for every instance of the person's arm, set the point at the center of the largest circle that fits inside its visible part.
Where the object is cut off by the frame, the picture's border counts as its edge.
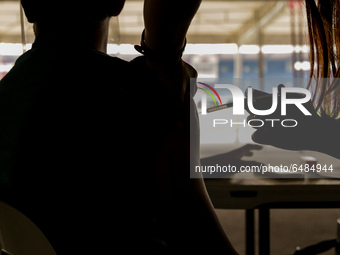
(167, 22)
(163, 41)
(311, 132)
(192, 221)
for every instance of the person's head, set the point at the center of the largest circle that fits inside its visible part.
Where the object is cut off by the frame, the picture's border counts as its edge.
(71, 17)
(64, 11)
(324, 35)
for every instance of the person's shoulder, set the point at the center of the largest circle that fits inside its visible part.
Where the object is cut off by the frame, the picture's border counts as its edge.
(107, 59)
(138, 64)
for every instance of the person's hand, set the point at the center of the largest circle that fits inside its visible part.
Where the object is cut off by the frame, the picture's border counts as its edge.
(234, 155)
(244, 151)
(280, 131)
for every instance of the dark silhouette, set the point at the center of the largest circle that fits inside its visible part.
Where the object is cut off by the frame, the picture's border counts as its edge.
(96, 150)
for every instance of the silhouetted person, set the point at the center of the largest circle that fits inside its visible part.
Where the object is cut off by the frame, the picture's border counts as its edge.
(83, 145)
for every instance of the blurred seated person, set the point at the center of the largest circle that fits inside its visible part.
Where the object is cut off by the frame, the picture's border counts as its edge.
(318, 131)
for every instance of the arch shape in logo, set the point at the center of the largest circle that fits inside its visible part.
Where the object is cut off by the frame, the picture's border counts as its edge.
(205, 87)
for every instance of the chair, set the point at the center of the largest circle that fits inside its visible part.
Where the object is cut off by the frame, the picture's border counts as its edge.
(19, 235)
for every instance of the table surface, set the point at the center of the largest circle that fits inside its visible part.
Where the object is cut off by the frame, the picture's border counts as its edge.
(249, 191)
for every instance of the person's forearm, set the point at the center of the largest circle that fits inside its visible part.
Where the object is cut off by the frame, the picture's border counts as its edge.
(326, 137)
(330, 148)
(167, 22)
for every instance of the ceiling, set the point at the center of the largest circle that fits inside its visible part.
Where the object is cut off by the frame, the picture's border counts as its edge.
(217, 21)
